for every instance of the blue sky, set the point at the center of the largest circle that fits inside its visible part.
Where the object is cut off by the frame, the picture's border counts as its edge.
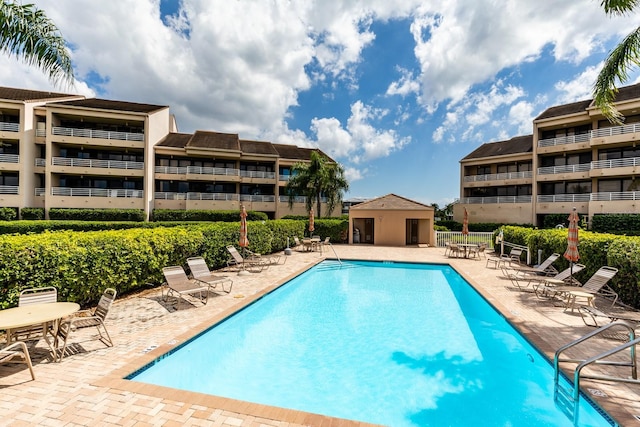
(396, 91)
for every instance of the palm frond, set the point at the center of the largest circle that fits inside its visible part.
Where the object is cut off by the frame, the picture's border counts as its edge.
(29, 34)
(618, 7)
(616, 70)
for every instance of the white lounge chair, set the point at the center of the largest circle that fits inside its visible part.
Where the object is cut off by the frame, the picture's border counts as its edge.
(200, 271)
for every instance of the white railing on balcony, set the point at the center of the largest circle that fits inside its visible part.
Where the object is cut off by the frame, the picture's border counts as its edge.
(9, 158)
(40, 191)
(296, 199)
(213, 171)
(258, 174)
(615, 196)
(41, 132)
(9, 127)
(96, 192)
(171, 170)
(9, 189)
(95, 163)
(615, 130)
(498, 176)
(257, 198)
(96, 133)
(167, 195)
(547, 170)
(41, 162)
(284, 177)
(495, 199)
(225, 197)
(543, 198)
(615, 163)
(571, 139)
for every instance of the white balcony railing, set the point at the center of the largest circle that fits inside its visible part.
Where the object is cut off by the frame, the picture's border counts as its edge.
(96, 133)
(571, 139)
(167, 195)
(284, 177)
(584, 197)
(40, 191)
(95, 163)
(296, 199)
(96, 192)
(615, 196)
(41, 162)
(258, 174)
(494, 199)
(171, 170)
(41, 132)
(498, 176)
(616, 163)
(257, 198)
(615, 130)
(9, 127)
(213, 171)
(224, 197)
(9, 189)
(548, 170)
(9, 158)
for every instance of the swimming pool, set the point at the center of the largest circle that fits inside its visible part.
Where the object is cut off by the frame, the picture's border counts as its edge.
(397, 344)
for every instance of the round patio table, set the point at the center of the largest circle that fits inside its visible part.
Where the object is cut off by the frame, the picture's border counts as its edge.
(35, 314)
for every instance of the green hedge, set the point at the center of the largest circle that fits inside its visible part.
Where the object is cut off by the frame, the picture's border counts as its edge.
(204, 215)
(97, 214)
(616, 223)
(451, 225)
(8, 214)
(32, 213)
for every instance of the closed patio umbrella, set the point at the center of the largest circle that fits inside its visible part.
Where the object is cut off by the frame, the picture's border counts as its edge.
(465, 225)
(244, 241)
(311, 222)
(571, 254)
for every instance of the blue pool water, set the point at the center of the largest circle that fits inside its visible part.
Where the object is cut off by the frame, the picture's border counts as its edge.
(388, 343)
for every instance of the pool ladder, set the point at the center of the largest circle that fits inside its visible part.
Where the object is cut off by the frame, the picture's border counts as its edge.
(568, 398)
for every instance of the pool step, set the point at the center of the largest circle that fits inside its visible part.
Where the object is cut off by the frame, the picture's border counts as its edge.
(334, 265)
(564, 400)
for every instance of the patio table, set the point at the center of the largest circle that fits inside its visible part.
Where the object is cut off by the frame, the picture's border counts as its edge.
(35, 314)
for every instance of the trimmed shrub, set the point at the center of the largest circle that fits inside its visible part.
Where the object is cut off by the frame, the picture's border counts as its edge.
(8, 214)
(97, 214)
(32, 213)
(204, 215)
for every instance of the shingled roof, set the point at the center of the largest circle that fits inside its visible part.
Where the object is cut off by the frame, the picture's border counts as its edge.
(565, 109)
(214, 141)
(391, 202)
(515, 145)
(294, 152)
(29, 95)
(176, 140)
(107, 104)
(258, 147)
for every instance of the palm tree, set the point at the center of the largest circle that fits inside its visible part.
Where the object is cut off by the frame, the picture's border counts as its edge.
(618, 63)
(27, 33)
(315, 179)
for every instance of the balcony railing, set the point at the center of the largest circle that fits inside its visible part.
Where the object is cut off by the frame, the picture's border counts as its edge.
(9, 127)
(616, 163)
(9, 158)
(224, 197)
(571, 139)
(181, 170)
(95, 163)
(498, 176)
(284, 177)
(96, 192)
(547, 170)
(40, 191)
(615, 196)
(258, 174)
(257, 198)
(41, 132)
(495, 199)
(296, 199)
(167, 195)
(41, 162)
(9, 189)
(584, 197)
(615, 130)
(96, 133)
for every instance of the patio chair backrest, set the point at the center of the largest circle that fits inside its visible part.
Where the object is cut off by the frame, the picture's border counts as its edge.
(515, 254)
(235, 254)
(44, 295)
(199, 267)
(567, 272)
(296, 240)
(174, 275)
(547, 262)
(599, 279)
(106, 300)
(326, 240)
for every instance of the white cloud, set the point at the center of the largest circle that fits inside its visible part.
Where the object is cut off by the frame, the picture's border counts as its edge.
(353, 174)
(580, 88)
(521, 115)
(406, 85)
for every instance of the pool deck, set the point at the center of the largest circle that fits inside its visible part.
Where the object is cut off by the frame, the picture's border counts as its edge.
(87, 388)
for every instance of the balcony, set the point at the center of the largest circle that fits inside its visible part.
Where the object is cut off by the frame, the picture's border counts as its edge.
(615, 130)
(616, 163)
(615, 196)
(296, 199)
(41, 132)
(97, 192)
(584, 197)
(571, 139)
(9, 158)
(41, 162)
(166, 195)
(40, 191)
(498, 176)
(96, 133)
(197, 170)
(564, 169)
(95, 163)
(9, 127)
(258, 174)
(9, 189)
(494, 200)
(257, 198)
(284, 177)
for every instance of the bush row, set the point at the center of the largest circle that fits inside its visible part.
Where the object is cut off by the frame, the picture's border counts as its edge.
(450, 225)
(616, 223)
(596, 250)
(204, 215)
(8, 214)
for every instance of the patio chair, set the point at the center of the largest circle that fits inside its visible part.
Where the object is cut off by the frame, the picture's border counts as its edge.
(200, 271)
(297, 242)
(18, 350)
(241, 262)
(43, 295)
(514, 256)
(86, 319)
(455, 250)
(497, 261)
(596, 285)
(178, 284)
(548, 285)
(544, 269)
(267, 260)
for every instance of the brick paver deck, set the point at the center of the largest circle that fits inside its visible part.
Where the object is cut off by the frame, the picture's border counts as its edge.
(87, 388)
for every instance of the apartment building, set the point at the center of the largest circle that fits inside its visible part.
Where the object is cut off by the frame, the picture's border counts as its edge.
(67, 151)
(574, 158)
